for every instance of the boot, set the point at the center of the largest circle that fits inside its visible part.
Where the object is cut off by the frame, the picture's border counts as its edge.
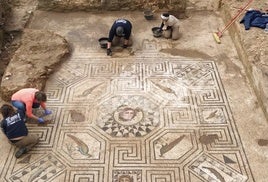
(20, 152)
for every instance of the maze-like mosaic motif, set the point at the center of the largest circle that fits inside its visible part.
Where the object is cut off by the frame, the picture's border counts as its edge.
(146, 118)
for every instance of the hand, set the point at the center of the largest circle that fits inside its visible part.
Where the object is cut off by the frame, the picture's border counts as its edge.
(41, 120)
(159, 30)
(48, 112)
(124, 46)
(109, 52)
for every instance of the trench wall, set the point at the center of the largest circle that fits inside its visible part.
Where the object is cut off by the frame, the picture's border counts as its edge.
(116, 5)
(255, 65)
(4, 9)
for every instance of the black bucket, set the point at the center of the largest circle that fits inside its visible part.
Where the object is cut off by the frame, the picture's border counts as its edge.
(148, 14)
(103, 42)
(157, 32)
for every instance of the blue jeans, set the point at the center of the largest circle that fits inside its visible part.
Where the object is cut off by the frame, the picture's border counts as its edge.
(21, 106)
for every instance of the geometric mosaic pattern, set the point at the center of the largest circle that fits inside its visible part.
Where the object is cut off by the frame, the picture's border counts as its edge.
(42, 170)
(145, 118)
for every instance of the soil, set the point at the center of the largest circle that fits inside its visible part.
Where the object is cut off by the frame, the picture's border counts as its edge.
(6, 54)
(5, 57)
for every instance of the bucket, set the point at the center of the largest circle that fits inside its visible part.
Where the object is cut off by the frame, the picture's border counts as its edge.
(103, 42)
(157, 32)
(148, 14)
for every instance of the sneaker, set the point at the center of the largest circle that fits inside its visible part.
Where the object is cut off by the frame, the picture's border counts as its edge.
(20, 152)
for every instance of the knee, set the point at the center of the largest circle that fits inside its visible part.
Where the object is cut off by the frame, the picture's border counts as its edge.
(36, 139)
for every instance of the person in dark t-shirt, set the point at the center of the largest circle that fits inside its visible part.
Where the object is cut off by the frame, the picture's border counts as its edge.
(13, 126)
(121, 29)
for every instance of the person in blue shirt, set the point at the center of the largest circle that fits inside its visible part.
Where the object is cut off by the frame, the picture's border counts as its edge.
(13, 126)
(120, 30)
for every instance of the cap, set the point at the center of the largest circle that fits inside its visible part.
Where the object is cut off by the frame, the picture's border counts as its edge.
(165, 16)
(120, 31)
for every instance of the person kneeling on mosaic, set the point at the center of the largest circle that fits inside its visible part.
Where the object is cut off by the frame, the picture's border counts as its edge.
(170, 26)
(28, 98)
(13, 126)
(120, 32)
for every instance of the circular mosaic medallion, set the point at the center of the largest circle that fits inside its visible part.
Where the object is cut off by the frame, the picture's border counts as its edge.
(134, 116)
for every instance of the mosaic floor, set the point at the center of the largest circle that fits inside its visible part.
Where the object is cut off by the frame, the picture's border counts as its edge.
(148, 117)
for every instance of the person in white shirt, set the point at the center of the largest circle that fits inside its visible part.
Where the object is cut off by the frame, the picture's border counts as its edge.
(170, 26)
